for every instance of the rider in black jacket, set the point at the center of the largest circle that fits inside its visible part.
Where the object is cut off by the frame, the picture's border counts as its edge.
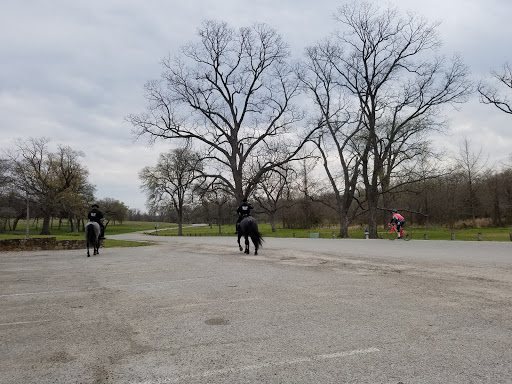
(243, 210)
(96, 215)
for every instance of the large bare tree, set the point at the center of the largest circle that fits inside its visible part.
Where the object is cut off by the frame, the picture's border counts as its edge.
(490, 94)
(231, 95)
(388, 63)
(336, 128)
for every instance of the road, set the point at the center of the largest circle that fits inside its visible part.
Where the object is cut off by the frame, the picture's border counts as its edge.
(196, 310)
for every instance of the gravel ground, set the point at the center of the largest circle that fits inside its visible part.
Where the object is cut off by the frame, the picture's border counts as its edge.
(196, 310)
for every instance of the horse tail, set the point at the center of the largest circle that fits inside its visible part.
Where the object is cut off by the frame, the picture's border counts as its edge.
(256, 236)
(90, 234)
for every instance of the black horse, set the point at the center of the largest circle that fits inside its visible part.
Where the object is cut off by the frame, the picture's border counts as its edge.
(92, 237)
(249, 228)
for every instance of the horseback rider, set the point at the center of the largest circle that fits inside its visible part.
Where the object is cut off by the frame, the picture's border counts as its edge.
(243, 210)
(96, 216)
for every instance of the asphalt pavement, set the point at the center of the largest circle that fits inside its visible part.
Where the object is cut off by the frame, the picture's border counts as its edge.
(196, 310)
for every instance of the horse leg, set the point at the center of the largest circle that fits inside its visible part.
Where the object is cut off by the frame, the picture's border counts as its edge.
(239, 246)
(88, 254)
(246, 244)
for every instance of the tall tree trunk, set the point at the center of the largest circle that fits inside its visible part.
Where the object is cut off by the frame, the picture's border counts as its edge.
(45, 230)
(180, 223)
(15, 223)
(372, 221)
(272, 219)
(344, 222)
(372, 195)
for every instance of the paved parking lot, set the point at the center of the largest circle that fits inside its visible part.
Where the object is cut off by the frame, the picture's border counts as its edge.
(196, 310)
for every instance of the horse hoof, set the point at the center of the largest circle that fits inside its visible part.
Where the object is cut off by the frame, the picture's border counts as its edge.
(241, 249)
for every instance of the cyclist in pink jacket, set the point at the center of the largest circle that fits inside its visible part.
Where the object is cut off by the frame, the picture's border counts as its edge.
(399, 220)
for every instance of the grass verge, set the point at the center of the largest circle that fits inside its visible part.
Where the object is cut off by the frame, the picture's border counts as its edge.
(63, 233)
(418, 233)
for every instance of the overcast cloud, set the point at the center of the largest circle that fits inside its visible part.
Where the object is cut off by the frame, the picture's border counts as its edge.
(73, 70)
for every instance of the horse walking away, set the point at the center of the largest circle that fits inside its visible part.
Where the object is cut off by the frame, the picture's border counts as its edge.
(249, 228)
(92, 237)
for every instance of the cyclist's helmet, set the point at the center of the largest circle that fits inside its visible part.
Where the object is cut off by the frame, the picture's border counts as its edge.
(394, 211)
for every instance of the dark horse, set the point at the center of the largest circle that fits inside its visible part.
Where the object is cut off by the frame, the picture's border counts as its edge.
(249, 228)
(92, 237)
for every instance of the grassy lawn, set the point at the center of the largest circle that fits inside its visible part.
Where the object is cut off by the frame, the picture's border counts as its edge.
(488, 234)
(64, 232)
(469, 234)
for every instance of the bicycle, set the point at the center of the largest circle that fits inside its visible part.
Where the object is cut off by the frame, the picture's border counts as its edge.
(392, 234)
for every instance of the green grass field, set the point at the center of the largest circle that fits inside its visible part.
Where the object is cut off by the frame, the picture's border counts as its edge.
(488, 234)
(64, 232)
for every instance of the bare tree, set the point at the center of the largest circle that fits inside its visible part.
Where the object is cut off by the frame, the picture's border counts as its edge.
(77, 192)
(386, 63)
(273, 193)
(472, 166)
(5, 176)
(231, 94)
(170, 182)
(491, 94)
(215, 201)
(336, 129)
(307, 188)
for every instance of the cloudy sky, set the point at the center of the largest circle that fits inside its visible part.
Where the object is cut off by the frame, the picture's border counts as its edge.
(73, 70)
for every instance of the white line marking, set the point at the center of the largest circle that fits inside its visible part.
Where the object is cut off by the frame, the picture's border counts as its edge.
(217, 372)
(25, 322)
(138, 271)
(103, 287)
(348, 353)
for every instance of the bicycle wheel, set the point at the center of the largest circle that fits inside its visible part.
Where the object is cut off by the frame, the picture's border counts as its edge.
(391, 234)
(406, 235)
